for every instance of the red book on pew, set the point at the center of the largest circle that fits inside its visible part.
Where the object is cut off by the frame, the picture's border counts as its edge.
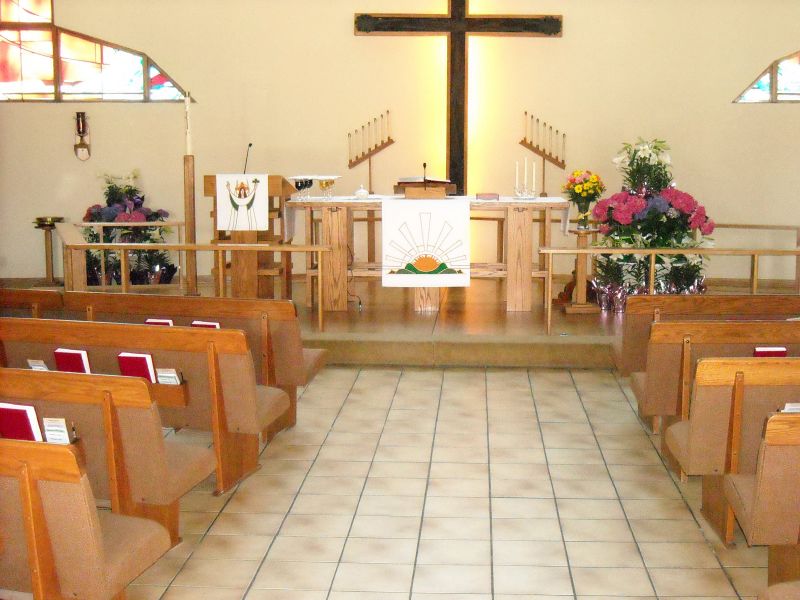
(72, 361)
(132, 364)
(19, 423)
(770, 352)
(206, 324)
(163, 322)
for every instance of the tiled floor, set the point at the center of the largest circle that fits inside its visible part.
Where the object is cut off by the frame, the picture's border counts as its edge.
(454, 484)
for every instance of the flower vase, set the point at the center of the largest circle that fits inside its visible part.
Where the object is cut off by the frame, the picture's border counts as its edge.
(583, 213)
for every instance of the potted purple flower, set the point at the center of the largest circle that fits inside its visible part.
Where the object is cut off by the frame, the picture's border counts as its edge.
(125, 204)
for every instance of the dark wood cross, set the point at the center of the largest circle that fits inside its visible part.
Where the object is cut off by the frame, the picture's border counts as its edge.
(457, 24)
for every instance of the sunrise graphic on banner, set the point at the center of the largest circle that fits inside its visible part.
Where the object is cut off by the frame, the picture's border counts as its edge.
(426, 243)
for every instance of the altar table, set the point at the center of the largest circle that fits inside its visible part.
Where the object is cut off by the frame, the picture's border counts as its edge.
(517, 269)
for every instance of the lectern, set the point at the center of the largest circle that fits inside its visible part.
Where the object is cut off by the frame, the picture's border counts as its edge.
(253, 273)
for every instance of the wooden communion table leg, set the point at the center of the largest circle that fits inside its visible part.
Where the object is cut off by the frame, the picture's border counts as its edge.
(519, 257)
(334, 268)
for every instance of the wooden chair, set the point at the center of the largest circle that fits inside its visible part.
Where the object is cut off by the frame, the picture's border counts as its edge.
(56, 544)
(219, 393)
(271, 326)
(675, 347)
(745, 389)
(766, 501)
(29, 303)
(630, 349)
(127, 458)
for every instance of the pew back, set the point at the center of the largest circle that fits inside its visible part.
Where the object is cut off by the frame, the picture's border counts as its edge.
(772, 516)
(700, 444)
(55, 543)
(30, 303)
(675, 347)
(46, 482)
(183, 348)
(630, 351)
(90, 403)
(271, 326)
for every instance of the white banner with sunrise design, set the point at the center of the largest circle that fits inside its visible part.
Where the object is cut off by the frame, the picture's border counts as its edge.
(426, 242)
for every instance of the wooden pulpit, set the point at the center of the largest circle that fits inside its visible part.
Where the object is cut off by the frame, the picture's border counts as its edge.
(253, 273)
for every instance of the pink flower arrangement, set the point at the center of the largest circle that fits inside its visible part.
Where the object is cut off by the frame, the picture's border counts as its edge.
(619, 208)
(679, 200)
(707, 228)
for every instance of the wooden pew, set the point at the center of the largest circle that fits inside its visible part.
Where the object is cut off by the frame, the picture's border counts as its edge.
(782, 591)
(630, 349)
(676, 346)
(746, 390)
(55, 543)
(30, 303)
(127, 458)
(766, 500)
(271, 326)
(219, 392)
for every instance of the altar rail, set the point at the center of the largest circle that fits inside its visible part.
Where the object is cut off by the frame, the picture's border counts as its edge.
(751, 227)
(652, 253)
(75, 249)
(99, 227)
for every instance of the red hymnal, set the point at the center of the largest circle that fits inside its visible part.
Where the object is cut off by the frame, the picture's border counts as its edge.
(137, 365)
(206, 324)
(770, 352)
(72, 361)
(19, 423)
(164, 322)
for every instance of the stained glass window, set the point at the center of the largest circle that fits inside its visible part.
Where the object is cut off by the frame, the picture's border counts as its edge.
(26, 65)
(26, 11)
(789, 78)
(780, 82)
(93, 71)
(162, 87)
(88, 68)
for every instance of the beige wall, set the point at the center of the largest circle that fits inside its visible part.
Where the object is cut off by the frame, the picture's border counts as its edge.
(292, 78)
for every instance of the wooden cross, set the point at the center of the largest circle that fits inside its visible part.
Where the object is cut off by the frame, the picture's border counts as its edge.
(457, 24)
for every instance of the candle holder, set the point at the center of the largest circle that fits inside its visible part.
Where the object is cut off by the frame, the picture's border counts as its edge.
(47, 224)
(521, 192)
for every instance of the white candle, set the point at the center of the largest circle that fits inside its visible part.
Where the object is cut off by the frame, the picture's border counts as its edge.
(516, 176)
(187, 103)
(526, 173)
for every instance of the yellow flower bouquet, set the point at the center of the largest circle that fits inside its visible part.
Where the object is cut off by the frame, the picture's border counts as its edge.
(584, 187)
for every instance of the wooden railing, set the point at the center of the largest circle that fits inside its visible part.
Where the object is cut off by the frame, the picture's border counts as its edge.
(100, 227)
(754, 253)
(75, 249)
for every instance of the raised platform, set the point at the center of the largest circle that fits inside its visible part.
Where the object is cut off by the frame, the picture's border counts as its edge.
(472, 328)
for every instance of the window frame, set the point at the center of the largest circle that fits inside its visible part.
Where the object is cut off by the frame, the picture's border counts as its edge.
(58, 96)
(772, 70)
